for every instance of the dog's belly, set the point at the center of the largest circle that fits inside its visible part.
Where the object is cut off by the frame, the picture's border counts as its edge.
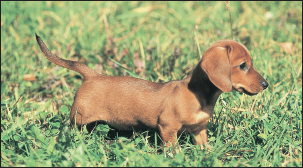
(122, 125)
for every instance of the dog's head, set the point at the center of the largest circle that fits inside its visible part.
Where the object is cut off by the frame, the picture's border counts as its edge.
(228, 65)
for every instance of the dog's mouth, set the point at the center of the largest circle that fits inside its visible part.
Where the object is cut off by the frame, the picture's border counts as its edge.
(242, 90)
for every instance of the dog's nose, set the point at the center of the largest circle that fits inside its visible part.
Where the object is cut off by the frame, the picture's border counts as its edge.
(264, 84)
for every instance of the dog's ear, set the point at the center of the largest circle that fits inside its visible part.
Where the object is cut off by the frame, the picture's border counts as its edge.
(215, 63)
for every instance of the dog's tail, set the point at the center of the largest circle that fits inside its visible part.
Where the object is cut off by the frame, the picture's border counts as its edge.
(83, 69)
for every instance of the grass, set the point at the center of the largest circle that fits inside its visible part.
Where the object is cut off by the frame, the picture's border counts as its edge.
(262, 130)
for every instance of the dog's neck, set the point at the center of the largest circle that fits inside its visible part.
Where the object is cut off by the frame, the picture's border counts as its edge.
(202, 87)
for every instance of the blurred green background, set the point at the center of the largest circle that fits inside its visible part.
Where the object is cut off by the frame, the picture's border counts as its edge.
(36, 95)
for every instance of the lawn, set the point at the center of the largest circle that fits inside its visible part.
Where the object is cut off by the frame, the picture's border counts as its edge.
(158, 42)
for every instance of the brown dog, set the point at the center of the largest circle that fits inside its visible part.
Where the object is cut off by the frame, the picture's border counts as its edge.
(171, 108)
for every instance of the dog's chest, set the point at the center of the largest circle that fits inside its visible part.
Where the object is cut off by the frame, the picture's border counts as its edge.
(196, 121)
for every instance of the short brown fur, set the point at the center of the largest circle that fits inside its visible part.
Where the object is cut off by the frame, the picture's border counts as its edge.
(171, 108)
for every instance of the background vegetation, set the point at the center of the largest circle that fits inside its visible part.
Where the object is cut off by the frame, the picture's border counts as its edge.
(36, 95)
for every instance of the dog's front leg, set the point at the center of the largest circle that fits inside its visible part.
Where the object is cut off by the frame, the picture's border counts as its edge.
(201, 136)
(169, 134)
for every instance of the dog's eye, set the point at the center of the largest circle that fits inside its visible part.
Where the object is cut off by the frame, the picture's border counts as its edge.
(243, 66)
